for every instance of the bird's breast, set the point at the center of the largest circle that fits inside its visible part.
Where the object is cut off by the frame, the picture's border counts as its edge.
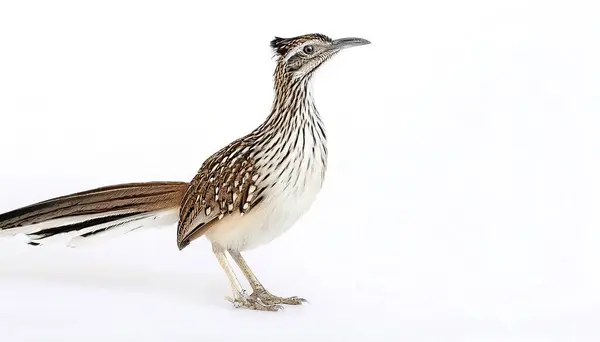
(292, 179)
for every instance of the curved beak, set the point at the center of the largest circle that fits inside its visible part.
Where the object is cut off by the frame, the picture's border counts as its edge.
(182, 243)
(344, 43)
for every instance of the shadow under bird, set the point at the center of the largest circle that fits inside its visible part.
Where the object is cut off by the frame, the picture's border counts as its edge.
(243, 196)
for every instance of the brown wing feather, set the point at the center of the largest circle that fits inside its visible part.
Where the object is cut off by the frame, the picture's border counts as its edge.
(225, 184)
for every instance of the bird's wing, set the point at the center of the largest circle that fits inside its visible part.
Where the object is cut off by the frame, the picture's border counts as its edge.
(226, 184)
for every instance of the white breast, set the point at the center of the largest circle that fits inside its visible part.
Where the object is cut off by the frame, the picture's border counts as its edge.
(296, 183)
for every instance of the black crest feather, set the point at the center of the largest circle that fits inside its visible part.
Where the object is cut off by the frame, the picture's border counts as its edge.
(282, 46)
(279, 45)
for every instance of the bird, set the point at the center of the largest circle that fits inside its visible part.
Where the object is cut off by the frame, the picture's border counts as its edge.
(243, 196)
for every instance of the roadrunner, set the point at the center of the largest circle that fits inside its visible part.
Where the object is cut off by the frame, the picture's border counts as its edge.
(243, 196)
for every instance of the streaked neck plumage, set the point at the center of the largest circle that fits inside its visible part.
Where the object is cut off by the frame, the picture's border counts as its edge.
(293, 132)
(293, 103)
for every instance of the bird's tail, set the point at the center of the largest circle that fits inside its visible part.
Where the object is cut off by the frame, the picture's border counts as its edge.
(90, 215)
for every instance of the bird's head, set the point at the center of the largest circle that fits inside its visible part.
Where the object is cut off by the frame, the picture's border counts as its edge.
(300, 56)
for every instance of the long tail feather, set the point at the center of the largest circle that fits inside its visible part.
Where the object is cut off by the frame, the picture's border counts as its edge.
(101, 212)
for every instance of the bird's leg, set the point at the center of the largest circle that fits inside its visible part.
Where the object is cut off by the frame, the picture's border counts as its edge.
(259, 290)
(239, 297)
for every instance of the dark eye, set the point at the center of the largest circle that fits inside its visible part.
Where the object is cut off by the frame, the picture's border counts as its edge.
(308, 49)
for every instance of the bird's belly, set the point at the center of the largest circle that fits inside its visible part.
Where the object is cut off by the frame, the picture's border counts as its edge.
(280, 209)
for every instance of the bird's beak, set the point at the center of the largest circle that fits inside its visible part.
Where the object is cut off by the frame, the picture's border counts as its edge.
(181, 244)
(344, 43)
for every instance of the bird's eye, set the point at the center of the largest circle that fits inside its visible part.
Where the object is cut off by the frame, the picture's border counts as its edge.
(308, 49)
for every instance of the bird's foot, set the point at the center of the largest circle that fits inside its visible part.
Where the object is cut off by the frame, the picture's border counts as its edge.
(267, 298)
(253, 303)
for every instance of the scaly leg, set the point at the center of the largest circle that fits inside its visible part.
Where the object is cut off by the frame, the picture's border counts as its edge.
(239, 298)
(259, 291)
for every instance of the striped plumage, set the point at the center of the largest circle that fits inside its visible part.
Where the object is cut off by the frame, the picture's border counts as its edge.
(243, 196)
(278, 168)
(95, 213)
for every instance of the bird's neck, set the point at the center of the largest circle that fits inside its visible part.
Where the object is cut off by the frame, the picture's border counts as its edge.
(293, 132)
(293, 105)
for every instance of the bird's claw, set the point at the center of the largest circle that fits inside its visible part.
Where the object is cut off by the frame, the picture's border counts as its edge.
(253, 304)
(269, 299)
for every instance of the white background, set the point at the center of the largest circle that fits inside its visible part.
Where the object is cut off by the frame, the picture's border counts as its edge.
(462, 201)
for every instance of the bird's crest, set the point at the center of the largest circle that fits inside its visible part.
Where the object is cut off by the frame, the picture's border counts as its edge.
(282, 46)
